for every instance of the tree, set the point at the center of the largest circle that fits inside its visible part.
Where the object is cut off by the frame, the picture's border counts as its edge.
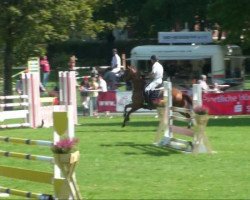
(27, 26)
(233, 18)
(147, 17)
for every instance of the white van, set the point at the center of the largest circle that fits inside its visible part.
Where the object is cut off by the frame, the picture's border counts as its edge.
(185, 63)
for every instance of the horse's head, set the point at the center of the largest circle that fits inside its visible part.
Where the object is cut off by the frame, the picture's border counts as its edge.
(130, 73)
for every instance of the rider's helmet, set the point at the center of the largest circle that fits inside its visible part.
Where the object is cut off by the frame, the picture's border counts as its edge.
(154, 58)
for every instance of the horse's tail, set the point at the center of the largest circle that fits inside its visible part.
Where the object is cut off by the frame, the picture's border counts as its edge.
(188, 99)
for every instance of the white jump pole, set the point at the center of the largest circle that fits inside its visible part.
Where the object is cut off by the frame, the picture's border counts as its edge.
(67, 91)
(168, 134)
(31, 87)
(197, 95)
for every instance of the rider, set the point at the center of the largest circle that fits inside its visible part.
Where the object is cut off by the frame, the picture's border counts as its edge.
(156, 76)
(116, 62)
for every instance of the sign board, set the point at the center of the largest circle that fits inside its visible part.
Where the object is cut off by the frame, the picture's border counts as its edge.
(34, 64)
(228, 103)
(184, 37)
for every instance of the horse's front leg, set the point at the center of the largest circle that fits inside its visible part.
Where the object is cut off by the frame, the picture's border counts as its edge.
(126, 118)
(125, 113)
(125, 109)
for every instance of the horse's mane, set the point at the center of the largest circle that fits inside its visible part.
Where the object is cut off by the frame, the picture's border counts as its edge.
(135, 72)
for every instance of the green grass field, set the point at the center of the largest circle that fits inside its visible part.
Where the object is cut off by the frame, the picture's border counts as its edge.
(122, 163)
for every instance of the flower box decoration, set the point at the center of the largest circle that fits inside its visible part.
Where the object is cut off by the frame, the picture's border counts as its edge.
(65, 153)
(201, 110)
(66, 157)
(201, 115)
(64, 146)
(201, 141)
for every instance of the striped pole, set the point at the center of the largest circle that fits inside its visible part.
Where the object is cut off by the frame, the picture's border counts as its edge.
(26, 141)
(26, 156)
(25, 193)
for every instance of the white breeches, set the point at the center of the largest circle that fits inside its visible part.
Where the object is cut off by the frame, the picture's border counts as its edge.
(153, 84)
(116, 70)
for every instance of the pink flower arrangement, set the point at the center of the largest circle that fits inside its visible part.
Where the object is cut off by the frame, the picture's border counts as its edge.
(63, 146)
(201, 110)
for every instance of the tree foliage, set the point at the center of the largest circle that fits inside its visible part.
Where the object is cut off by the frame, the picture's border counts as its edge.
(27, 26)
(144, 18)
(234, 18)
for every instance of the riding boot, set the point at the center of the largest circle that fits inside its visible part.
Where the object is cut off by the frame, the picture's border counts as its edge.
(147, 101)
(146, 97)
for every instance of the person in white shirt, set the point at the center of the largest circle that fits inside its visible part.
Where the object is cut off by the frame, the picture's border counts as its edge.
(115, 62)
(215, 88)
(103, 87)
(156, 74)
(102, 84)
(203, 83)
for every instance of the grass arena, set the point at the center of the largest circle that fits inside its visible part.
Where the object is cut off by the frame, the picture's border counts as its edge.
(122, 163)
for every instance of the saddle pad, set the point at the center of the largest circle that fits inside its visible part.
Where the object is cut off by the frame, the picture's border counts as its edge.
(155, 94)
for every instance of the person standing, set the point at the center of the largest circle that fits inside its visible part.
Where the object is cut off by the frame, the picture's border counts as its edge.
(94, 86)
(115, 62)
(45, 68)
(203, 83)
(84, 86)
(94, 72)
(72, 62)
(103, 87)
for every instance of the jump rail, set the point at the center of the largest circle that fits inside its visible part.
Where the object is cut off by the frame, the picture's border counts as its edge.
(169, 114)
(30, 105)
(63, 188)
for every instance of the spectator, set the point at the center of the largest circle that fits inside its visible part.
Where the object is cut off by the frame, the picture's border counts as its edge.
(94, 86)
(216, 88)
(19, 86)
(203, 83)
(219, 88)
(94, 72)
(84, 86)
(72, 62)
(103, 87)
(45, 68)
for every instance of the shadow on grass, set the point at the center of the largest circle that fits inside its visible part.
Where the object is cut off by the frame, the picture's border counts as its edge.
(148, 149)
(130, 124)
(226, 122)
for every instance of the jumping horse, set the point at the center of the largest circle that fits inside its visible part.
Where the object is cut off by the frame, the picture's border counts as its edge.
(179, 98)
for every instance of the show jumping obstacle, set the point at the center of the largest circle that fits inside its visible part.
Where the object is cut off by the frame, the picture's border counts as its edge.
(15, 114)
(170, 114)
(30, 105)
(29, 102)
(63, 182)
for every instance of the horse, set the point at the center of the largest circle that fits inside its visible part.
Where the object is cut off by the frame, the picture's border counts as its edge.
(179, 98)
